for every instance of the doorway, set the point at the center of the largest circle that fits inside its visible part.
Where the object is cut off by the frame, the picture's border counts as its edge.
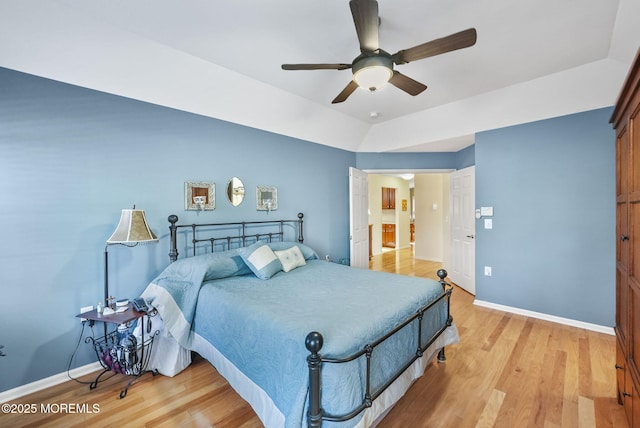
(428, 219)
(389, 211)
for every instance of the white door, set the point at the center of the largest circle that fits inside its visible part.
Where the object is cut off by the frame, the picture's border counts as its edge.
(463, 229)
(359, 218)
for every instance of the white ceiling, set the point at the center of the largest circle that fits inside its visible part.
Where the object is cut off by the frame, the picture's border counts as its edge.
(534, 59)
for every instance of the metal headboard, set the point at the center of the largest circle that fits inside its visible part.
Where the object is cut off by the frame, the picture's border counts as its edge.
(241, 233)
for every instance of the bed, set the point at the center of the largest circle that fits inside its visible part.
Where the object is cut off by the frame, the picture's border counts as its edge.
(304, 341)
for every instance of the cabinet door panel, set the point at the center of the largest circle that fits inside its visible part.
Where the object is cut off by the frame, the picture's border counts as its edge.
(632, 244)
(635, 403)
(620, 363)
(622, 234)
(628, 399)
(622, 162)
(634, 155)
(634, 334)
(622, 307)
(388, 198)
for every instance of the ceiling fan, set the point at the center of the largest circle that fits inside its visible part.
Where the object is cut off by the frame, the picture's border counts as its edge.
(374, 67)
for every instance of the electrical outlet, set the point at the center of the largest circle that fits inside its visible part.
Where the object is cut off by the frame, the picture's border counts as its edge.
(487, 271)
(85, 309)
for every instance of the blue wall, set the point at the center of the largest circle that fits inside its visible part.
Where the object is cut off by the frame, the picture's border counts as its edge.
(552, 246)
(416, 161)
(72, 158)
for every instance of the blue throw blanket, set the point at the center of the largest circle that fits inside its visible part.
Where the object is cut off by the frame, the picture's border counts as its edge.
(175, 292)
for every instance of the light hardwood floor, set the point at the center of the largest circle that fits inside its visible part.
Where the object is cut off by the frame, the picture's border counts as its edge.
(507, 371)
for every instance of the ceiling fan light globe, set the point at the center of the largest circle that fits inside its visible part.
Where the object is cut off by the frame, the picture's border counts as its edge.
(372, 73)
(372, 78)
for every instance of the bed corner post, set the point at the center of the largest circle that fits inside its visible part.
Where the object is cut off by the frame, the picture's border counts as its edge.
(173, 250)
(447, 288)
(314, 342)
(300, 233)
(442, 274)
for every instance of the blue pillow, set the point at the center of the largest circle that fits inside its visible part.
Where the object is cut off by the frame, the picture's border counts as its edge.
(261, 259)
(209, 266)
(225, 264)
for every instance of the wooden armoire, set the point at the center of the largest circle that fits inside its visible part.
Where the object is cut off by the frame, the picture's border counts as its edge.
(626, 121)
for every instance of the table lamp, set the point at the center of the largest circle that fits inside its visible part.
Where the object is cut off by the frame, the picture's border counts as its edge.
(131, 231)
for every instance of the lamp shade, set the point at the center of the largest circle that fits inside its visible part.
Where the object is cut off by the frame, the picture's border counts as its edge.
(132, 229)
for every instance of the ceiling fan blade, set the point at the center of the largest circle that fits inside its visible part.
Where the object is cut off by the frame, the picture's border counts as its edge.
(407, 84)
(315, 66)
(460, 40)
(365, 17)
(348, 90)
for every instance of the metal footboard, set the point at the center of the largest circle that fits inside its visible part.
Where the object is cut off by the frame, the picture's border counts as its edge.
(315, 360)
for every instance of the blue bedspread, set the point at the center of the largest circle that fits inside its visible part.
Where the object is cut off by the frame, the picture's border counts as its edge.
(261, 325)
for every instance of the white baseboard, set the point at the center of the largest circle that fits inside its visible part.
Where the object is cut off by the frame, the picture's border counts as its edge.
(48, 382)
(546, 317)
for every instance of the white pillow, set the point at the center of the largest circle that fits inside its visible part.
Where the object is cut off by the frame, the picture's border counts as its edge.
(291, 258)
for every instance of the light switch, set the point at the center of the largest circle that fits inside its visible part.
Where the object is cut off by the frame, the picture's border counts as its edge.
(486, 211)
(488, 223)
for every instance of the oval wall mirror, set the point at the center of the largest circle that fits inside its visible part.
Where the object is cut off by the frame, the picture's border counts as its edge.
(235, 191)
